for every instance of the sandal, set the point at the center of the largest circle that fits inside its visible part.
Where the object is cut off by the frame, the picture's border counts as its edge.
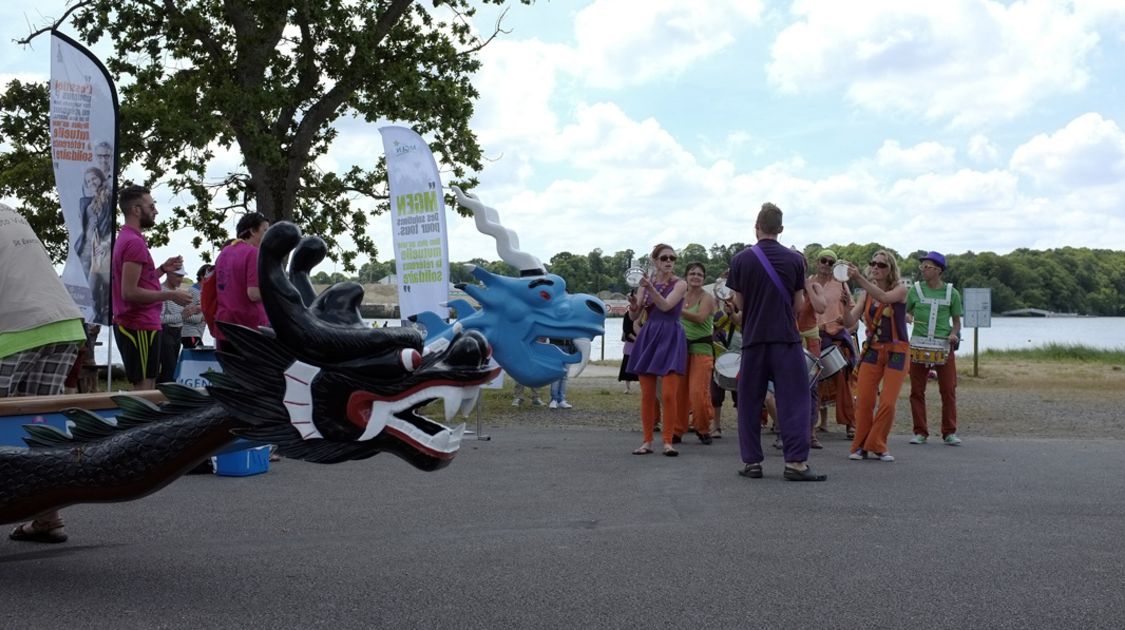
(850, 433)
(36, 531)
(792, 474)
(643, 450)
(717, 434)
(753, 471)
(669, 451)
(815, 443)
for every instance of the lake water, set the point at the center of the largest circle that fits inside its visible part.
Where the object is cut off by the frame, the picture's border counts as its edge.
(1006, 333)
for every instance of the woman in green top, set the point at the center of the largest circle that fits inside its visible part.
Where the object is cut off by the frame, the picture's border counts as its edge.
(698, 323)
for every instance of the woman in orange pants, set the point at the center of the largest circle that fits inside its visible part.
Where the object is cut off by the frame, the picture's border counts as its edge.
(885, 355)
(699, 328)
(661, 347)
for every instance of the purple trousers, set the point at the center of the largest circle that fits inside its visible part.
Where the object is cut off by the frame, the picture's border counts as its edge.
(784, 364)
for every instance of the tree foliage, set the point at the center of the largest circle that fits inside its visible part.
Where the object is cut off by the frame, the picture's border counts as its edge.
(266, 80)
(25, 168)
(1067, 280)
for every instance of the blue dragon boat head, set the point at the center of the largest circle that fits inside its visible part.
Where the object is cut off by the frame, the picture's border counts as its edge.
(538, 331)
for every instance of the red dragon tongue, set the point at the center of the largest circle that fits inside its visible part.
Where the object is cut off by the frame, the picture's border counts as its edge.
(359, 408)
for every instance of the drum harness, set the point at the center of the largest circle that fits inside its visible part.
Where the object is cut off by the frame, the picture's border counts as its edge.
(931, 326)
(933, 303)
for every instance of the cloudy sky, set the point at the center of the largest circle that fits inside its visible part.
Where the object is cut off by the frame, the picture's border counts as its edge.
(957, 125)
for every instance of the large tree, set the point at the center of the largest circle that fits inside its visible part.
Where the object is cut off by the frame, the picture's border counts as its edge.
(268, 79)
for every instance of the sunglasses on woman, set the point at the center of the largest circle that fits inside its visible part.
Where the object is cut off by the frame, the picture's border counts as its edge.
(876, 263)
(667, 258)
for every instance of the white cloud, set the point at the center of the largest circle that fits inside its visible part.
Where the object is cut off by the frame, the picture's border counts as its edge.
(922, 157)
(982, 151)
(1090, 151)
(603, 136)
(624, 42)
(963, 61)
(517, 83)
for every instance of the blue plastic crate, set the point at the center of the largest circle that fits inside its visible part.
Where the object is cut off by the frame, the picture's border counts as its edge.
(252, 461)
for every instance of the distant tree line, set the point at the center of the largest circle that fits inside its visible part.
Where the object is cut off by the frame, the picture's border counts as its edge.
(1067, 280)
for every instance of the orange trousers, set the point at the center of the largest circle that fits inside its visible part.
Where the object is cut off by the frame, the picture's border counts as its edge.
(873, 426)
(695, 395)
(650, 407)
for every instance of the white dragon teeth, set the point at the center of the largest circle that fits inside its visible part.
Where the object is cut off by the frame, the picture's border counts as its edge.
(469, 401)
(583, 346)
(452, 397)
(455, 436)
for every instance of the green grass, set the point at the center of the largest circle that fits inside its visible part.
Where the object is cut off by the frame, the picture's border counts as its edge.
(1061, 352)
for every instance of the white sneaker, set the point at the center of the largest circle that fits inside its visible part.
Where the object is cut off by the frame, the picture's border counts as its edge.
(516, 402)
(553, 405)
(886, 457)
(918, 439)
(952, 440)
(565, 405)
(538, 402)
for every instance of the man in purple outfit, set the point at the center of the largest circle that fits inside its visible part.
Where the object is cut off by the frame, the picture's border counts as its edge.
(768, 281)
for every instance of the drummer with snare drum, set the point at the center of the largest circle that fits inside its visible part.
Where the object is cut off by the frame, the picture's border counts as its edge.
(936, 310)
(838, 300)
(727, 339)
(811, 310)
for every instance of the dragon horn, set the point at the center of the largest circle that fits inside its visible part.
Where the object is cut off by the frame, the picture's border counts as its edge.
(310, 251)
(507, 243)
(296, 328)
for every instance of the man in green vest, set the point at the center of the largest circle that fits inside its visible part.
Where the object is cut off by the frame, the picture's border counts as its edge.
(936, 309)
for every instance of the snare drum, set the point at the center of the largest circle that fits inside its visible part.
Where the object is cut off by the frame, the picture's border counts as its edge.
(812, 365)
(727, 366)
(928, 350)
(831, 362)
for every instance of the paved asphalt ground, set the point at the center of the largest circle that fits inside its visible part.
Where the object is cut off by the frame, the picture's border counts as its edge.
(563, 528)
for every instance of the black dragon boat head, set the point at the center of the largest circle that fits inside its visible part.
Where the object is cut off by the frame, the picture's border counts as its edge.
(326, 387)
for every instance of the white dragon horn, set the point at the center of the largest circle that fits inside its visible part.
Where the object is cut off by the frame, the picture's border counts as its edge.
(507, 243)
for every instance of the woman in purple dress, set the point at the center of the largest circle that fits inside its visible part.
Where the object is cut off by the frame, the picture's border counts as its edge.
(661, 347)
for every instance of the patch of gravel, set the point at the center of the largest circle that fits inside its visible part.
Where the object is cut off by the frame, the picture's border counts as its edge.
(984, 409)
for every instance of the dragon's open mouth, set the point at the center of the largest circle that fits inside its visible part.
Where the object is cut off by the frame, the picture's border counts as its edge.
(577, 348)
(401, 415)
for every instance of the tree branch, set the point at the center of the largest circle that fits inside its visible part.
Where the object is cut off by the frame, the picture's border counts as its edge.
(201, 34)
(323, 109)
(46, 29)
(258, 42)
(481, 44)
(307, 76)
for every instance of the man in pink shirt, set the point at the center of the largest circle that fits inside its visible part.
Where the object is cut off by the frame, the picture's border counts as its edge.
(236, 278)
(137, 294)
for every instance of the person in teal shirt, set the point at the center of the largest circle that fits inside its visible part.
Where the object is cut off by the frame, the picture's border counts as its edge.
(936, 309)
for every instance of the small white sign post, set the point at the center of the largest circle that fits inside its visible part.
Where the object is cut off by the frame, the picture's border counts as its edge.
(978, 314)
